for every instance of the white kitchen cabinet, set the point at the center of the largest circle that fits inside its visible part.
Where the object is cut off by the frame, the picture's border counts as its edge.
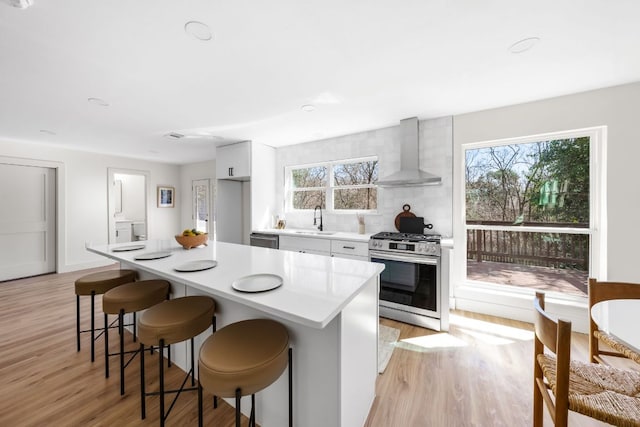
(234, 161)
(324, 246)
(305, 245)
(350, 249)
(123, 231)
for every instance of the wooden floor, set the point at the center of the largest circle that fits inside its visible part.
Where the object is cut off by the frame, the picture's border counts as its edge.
(478, 374)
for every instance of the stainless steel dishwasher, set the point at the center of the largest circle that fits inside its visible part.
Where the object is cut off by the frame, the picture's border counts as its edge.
(264, 240)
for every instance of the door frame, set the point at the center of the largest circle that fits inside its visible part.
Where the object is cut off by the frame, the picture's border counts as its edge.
(60, 202)
(111, 208)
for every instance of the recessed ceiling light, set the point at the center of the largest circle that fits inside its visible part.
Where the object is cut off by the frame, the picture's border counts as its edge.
(98, 101)
(524, 45)
(308, 108)
(198, 30)
(47, 132)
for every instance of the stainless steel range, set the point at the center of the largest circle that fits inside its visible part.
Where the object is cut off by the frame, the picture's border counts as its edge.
(410, 285)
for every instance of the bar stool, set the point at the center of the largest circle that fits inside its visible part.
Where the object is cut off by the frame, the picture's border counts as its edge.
(168, 323)
(97, 284)
(242, 359)
(129, 298)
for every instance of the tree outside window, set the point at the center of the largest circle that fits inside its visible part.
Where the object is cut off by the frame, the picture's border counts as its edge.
(542, 187)
(343, 185)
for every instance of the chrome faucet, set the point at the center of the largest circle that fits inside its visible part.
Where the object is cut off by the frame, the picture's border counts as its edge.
(315, 218)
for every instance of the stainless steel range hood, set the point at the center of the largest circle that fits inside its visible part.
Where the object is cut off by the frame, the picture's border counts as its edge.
(409, 174)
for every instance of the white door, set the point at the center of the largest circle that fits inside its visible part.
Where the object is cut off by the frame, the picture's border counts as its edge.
(201, 203)
(27, 221)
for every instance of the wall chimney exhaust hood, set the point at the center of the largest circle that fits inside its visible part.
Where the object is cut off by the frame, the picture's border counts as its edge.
(409, 174)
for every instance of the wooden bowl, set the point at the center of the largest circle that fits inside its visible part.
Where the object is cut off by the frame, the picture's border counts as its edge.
(189, 242)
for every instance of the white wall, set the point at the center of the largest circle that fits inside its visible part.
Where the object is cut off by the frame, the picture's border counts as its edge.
(432, 202)
(615, 108)
(82, 194)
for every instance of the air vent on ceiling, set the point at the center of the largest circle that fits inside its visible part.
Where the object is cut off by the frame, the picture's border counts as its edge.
(174, 135)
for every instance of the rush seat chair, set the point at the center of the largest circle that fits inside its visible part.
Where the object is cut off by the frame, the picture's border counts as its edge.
(595, 390)
(607, 291)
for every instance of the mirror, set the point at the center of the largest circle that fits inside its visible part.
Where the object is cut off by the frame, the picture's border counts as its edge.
(127, 205)
(117, 196)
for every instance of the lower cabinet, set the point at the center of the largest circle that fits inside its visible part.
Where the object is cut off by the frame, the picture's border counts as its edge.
(305, 245)
(338, 248)
(350, 249)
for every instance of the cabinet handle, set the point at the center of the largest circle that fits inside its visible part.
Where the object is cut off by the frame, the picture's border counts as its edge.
(230, 171)
(116, 233)
(348, 247)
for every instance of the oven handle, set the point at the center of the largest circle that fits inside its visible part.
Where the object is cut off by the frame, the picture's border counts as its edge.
(404, 258)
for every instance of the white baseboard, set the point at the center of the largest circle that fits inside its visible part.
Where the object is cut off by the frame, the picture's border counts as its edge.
(85, 266)
(519, 306)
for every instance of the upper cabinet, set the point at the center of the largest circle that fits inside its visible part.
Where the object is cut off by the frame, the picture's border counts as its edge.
(234, 161)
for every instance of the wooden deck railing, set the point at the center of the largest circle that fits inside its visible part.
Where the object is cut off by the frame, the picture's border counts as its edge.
(557, 250)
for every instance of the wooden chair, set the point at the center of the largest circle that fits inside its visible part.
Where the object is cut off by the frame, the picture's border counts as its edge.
(606, 291)
(595, 390)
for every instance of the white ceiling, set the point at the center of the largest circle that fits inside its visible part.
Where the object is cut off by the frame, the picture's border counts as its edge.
(364, 64)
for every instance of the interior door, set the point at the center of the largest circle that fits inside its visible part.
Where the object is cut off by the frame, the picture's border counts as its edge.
(201, 194)
(27, 221)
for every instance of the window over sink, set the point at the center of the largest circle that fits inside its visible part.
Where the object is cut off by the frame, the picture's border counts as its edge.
(342, 185)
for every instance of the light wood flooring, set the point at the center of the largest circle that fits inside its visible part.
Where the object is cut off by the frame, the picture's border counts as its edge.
(478, 374)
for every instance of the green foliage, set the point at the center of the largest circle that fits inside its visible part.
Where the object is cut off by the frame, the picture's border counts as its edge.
(546, 181)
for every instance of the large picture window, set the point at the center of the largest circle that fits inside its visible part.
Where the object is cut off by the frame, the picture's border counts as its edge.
(345, 185)
(529, 212)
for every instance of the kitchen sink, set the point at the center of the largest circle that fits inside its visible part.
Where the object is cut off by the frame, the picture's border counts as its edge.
(316, 233)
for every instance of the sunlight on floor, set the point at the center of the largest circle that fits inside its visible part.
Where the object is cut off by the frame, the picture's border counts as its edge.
(430, 342)
(480, 327)
(476, 331)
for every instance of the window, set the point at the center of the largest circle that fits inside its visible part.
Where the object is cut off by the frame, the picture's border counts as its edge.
(344, 185)
(529, 212)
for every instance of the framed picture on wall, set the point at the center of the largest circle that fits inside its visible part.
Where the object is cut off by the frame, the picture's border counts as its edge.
(166, 197)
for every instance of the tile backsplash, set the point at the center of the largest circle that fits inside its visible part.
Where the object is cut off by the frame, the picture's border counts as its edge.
(433, 202)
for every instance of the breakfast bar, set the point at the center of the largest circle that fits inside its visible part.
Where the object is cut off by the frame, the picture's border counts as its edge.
(329, 306)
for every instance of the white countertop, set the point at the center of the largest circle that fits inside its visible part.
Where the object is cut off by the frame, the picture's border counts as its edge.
(315, 288)
(331, 235)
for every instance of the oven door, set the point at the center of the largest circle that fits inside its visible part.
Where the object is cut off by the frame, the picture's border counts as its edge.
(409, 283)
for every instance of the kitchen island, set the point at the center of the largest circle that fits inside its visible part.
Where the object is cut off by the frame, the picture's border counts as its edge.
(329, 305)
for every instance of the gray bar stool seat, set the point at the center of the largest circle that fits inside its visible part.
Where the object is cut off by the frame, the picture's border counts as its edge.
(168, 323)
(242, 359)
(97, 284)
(130, 298)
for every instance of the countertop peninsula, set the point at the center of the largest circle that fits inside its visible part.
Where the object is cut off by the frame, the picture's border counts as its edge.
(314, 290)
(329, 305)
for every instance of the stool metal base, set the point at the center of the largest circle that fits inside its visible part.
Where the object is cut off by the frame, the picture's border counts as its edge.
(161, 392)
(93, 329)
(121, 352)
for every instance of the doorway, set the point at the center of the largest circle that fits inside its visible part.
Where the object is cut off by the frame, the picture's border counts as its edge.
(201, 202)
(127, 205)
(27, 221)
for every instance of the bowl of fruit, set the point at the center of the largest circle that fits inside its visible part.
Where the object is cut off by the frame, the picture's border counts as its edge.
(192, 238)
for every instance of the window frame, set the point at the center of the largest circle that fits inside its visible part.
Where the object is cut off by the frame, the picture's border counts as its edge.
(597, 211)
(330, 187)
